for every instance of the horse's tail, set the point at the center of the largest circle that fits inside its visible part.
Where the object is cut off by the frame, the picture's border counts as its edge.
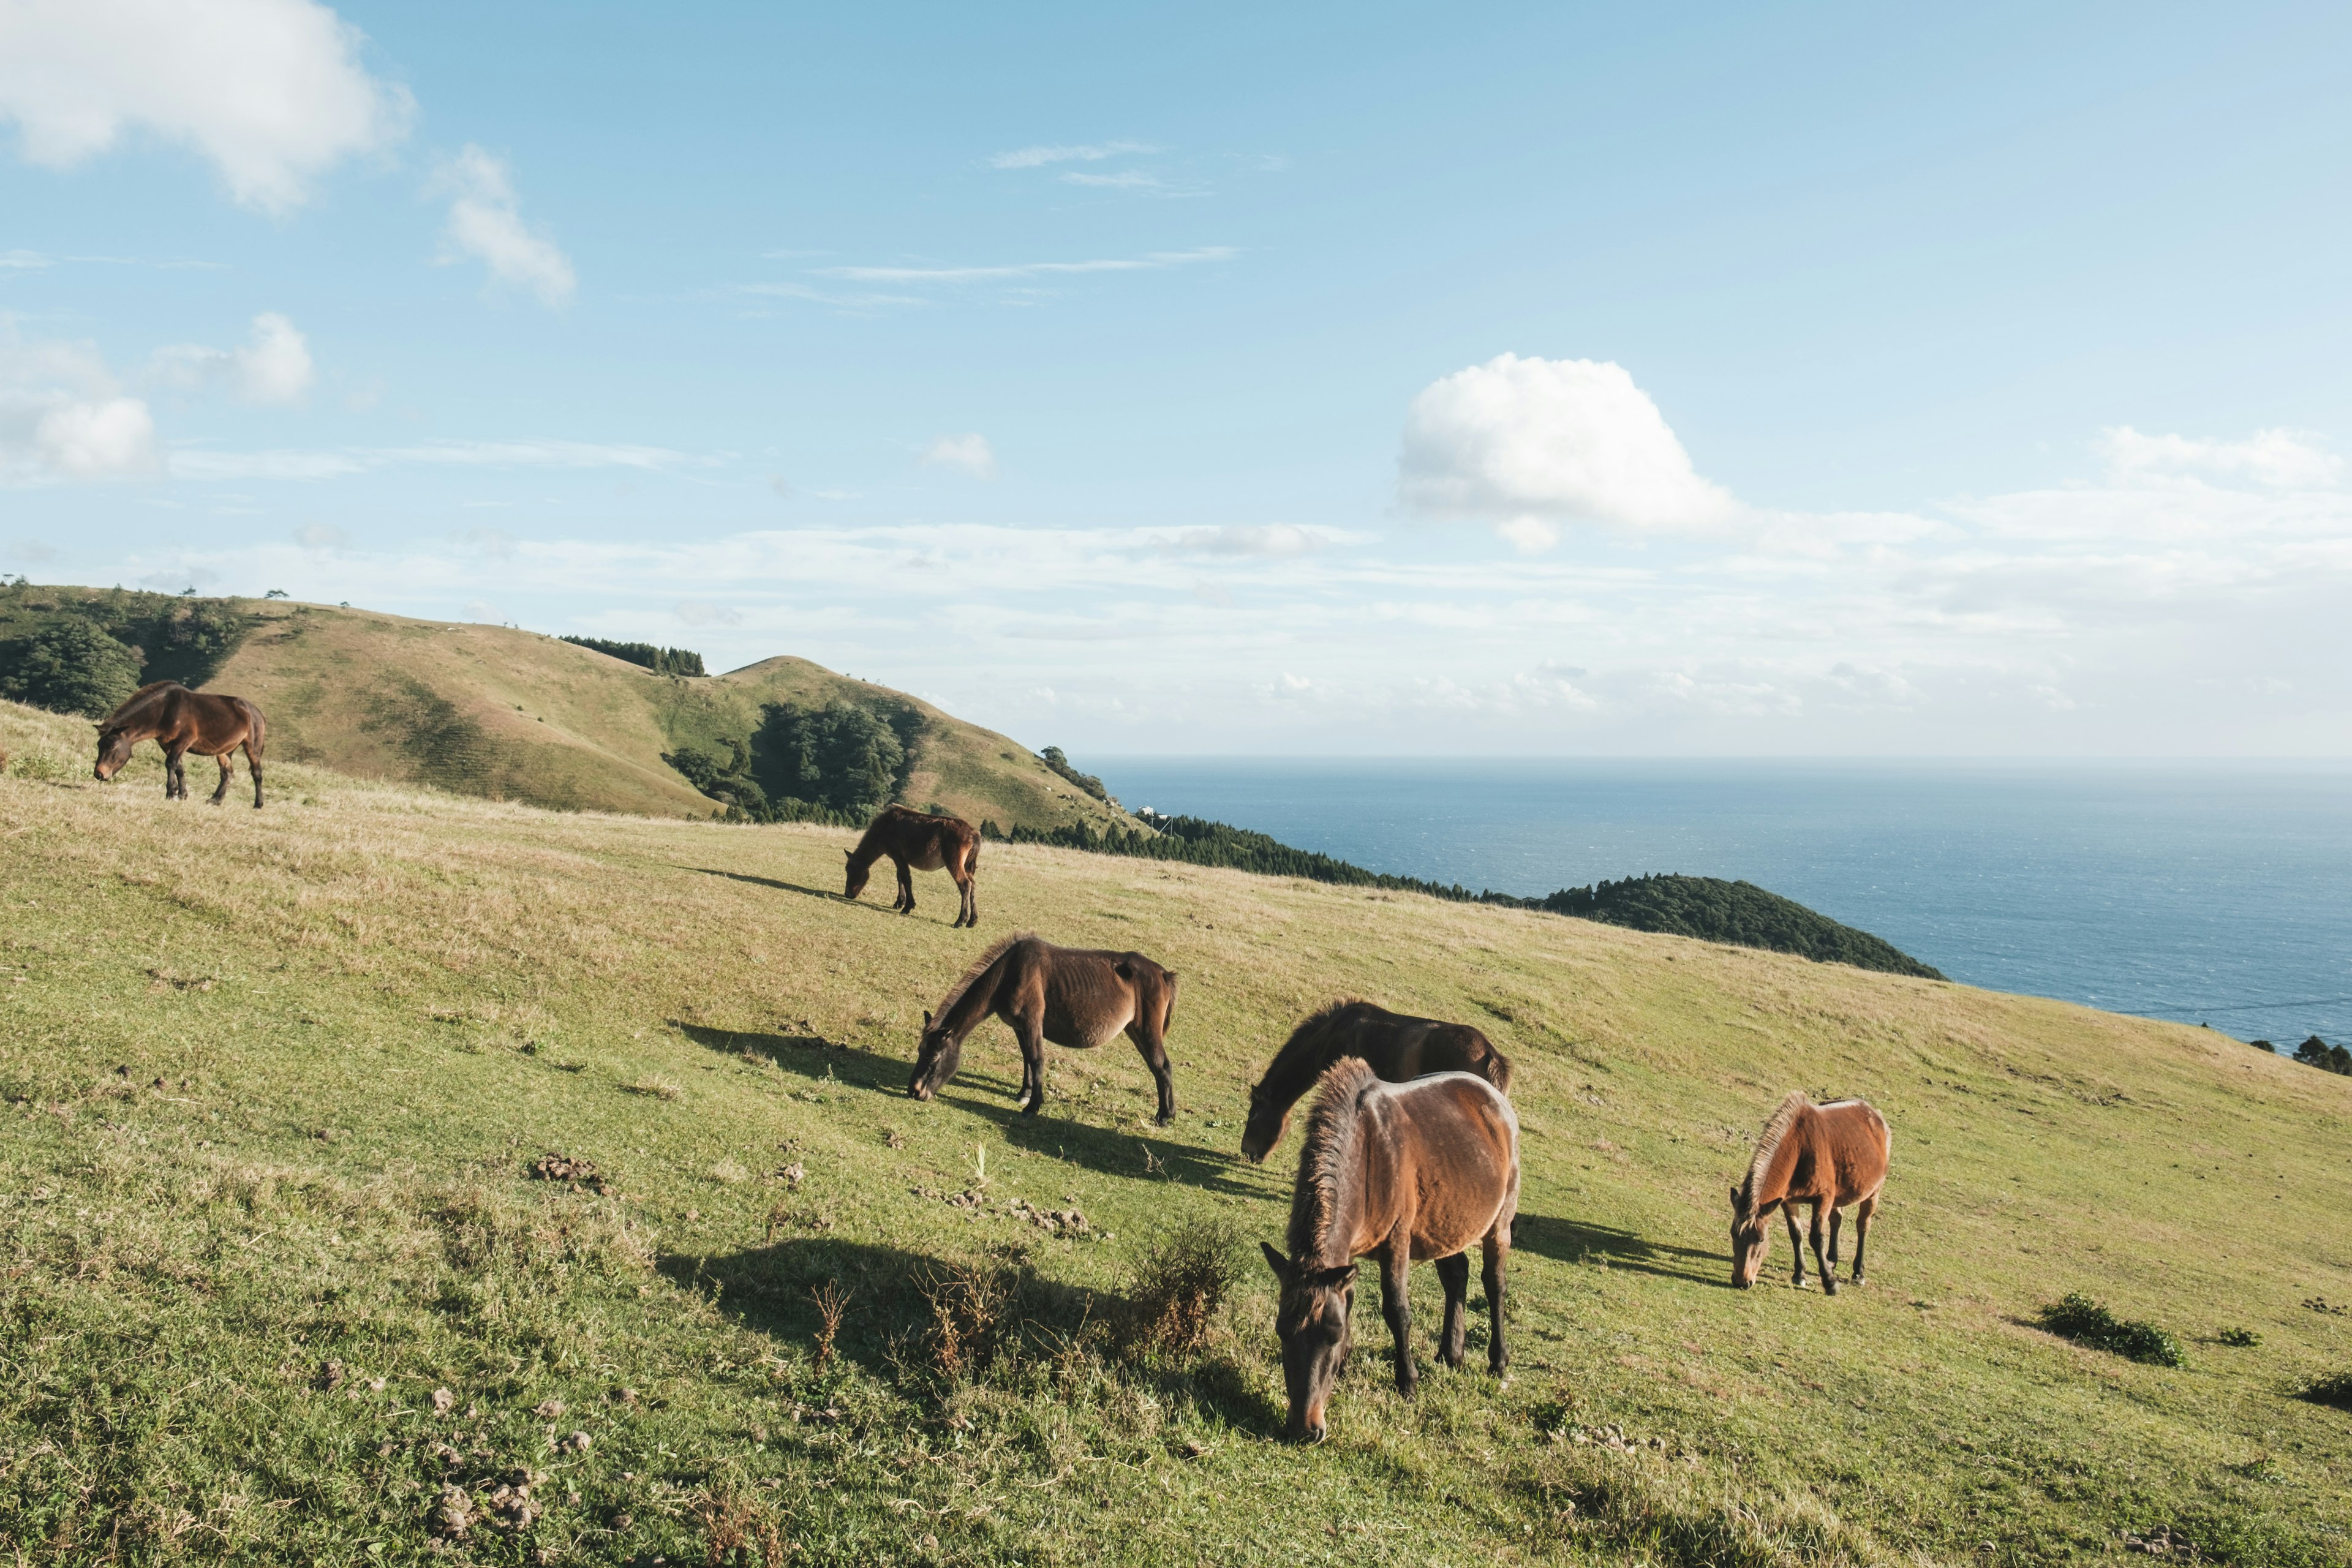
(1499, 1070)
(256, 730)
(1168, 1009)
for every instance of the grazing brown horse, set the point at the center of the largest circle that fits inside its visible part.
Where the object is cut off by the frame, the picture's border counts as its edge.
(1395, 1047)
(918, 841)
(1404, 1171)
(1072, 996)
(1825, 1155)
(181, 721)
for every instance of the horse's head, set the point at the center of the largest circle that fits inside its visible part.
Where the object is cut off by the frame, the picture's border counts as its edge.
(1264, 1128)
(1748, 1239)
(1312, 1319)
(114, 743)
(855, 883)
(937, 1055)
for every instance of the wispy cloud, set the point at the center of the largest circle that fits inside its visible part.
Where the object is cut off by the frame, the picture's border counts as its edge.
(1090, 153)
(210, 466)
(486, 222)
(1124, 179)
(1152, 261)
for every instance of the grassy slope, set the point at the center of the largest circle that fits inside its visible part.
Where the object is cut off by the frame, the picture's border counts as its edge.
(371, 1008)
(512, 715)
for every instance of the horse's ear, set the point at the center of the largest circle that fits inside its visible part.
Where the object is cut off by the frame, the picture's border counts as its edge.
(927, 1020)
(1735, 1195)
(1332, 1279)
(849, 854)
(1275, 1261)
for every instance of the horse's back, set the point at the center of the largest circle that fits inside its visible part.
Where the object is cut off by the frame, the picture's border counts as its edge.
(1857, 1137)
(1461, 1139)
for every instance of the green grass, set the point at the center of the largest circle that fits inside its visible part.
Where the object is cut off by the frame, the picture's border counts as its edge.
(274, 1084)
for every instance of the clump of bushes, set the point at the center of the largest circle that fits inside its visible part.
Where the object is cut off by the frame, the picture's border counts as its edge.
(2078, 1318)
(1183, 1278)
(1054, 758)
(2335, 1390)
(2317, 1052)
(2238, 1339)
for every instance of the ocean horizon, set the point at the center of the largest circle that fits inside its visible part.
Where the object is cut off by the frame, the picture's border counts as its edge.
(2202, 891)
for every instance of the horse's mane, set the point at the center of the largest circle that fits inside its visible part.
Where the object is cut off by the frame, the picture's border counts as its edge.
(1309, 1026)
(136, 698)
(1328, 1156)
(980, 966)
(1769, 1144)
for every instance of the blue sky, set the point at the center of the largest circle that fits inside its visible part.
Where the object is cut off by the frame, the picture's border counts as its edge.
(1370, 379)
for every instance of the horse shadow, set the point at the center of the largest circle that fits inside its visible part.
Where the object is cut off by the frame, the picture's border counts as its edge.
(1576, 1241)
(889, 1302)
(783, 887)
(1150, 1151)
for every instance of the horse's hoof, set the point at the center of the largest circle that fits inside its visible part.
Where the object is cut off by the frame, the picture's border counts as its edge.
(1829, 1287)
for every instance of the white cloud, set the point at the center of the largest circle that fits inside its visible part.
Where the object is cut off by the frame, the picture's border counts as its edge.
(700, 615)
(1271, 540)
(201, 464)
(485, 223)
(1153, 261)
(972, 453)
(273, 367)
(271, 91)
(321, 536)
(1124, 179)
(1037, 157)
(1529, 444)
(62, 416)
(2288, 459)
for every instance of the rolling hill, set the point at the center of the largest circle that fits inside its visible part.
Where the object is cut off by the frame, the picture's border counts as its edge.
(511, 715)
(290, 1276)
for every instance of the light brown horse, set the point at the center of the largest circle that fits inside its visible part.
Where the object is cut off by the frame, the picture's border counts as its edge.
(1825, 1155)
(1073, 996)
(918, 841)
(1403, 1171)
(181, 721)
(1396, 1047)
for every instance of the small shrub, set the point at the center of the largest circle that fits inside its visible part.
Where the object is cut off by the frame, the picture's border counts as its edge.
(2078, 1318)
(832, 1303)
(2335, 1389)
(1180, 1281)
(2238, 1339)
(967, 1302)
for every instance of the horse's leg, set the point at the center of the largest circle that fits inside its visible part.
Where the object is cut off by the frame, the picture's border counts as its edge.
(1796, 1245)
(1453, 1273)
(1828, 1273)
(220, 792)
(1837, 1221)
(905, 904)
(1030, 1029)
(253, 763)
(1497, 1250)
(1396, 1259)
(1862, 1213)
(175, 777)
(1148, 1046)
(966, 913)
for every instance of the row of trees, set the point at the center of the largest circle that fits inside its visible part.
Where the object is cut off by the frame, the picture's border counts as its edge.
(1704, 907)
(647, 656)
(2316, 1052)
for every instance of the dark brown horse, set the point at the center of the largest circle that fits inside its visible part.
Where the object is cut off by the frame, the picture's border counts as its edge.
(1404, 1171)
(918, 841)
(1825, 1155)
(1072, 996)
(1396, 1047)
(181, 721)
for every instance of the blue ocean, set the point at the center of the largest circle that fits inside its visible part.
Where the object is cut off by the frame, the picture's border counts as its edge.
(2204, 892)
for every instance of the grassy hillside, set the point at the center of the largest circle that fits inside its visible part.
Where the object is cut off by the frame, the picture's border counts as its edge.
(279, 1282)
(511, 715)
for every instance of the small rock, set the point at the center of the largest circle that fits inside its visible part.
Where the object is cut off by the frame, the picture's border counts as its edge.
(375, 1386)
(794, 1175)
(442, 1400)
(330, 1375)
(625, 1396)
(1195, 1450)
(625, 1520)
(548, 1409)
(578, 1442)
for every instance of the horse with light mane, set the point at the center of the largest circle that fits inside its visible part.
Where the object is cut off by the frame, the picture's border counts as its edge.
(1073, 996)
(1395, 1047)
(918, 841)
(181, 721)
(1405, 1172)
(1826, 1155)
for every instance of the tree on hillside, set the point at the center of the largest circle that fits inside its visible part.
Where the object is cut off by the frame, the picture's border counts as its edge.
(842, 756)
(68, 667)
(2317, 1052)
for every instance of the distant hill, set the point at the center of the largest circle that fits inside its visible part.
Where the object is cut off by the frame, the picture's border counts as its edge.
(492, 712)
